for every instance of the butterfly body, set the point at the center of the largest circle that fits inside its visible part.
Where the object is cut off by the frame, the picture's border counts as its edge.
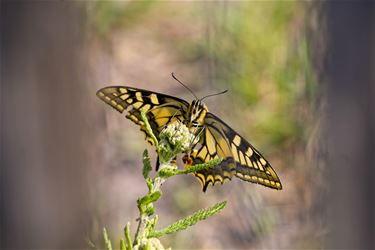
(196, 113)
(217, 139)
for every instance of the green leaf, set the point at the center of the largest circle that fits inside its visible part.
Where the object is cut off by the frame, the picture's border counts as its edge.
(150, 210)
(149, 198)
(149, 183)
(146, 164)
(190, 220)
(149, 129)
(129, 244)
(152, 223)
(106, 240)
(122, 245)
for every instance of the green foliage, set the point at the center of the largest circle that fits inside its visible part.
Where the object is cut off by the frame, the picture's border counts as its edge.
(146, 165)
(122, 245)
(149, 198)
(108, 15)
(174, 139)
(170, 170)
(107, 242)
(149, 130)
(129, 243)
(200, 167)
(190, 220)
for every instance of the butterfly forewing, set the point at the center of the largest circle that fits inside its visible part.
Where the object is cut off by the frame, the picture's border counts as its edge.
(160, 109)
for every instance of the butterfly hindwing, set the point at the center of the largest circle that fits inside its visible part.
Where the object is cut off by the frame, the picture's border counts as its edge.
(160, 109)
(240, 157)
(213, 145)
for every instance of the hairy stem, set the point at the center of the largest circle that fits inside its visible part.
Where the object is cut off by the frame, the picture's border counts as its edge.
(146, 216)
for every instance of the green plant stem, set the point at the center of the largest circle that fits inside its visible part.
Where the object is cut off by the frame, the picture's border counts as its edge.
(129, 244)
(106, 240)
(145, 219)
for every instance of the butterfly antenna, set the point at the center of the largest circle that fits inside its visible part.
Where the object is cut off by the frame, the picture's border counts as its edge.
(220, 93)
(174, 77)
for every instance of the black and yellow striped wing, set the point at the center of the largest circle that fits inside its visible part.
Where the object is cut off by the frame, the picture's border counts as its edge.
(241, 159)
(160, 109)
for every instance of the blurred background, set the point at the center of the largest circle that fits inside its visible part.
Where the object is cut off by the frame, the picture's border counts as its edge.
(301, 88)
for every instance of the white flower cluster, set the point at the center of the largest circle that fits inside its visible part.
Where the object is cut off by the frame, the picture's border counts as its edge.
(178, 136)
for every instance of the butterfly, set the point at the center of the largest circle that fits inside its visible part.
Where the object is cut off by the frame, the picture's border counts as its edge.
(217, 139)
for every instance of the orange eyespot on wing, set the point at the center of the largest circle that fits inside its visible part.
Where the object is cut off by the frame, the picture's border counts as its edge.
(187, 160)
